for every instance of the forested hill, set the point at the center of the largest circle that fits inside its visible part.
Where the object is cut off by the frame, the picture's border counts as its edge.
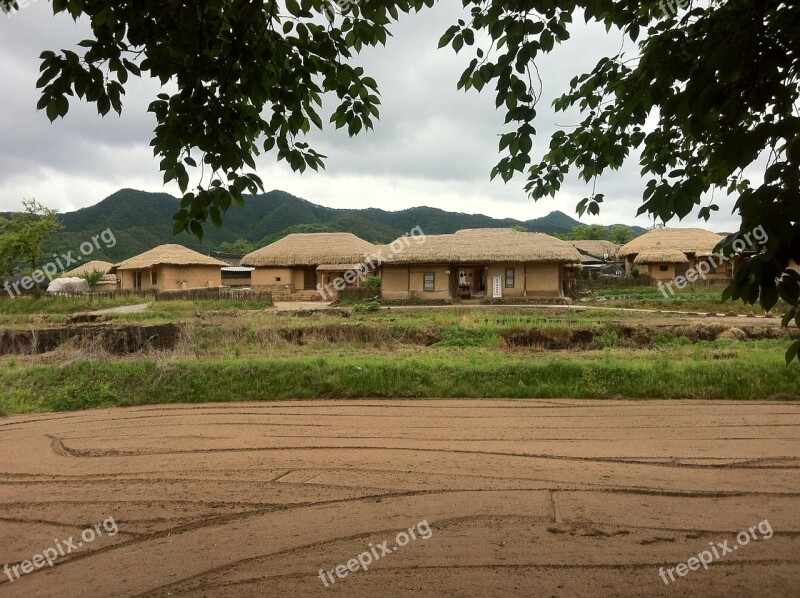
(142, 220)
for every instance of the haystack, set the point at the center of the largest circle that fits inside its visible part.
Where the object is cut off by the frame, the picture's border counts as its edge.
(68, 286)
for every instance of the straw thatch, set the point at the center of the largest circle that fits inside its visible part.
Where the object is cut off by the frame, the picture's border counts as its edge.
(660, 255)
(337, 267)
(168, 255)
(695, 242)
(311, 249)
(90, 267)
(481, 245)
(597, 249)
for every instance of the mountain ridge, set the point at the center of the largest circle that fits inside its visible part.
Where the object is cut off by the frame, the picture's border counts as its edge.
(141, 220)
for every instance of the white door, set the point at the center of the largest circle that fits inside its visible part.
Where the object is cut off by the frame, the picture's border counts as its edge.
(497, 287)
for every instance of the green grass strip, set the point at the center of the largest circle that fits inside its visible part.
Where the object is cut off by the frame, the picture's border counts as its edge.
(90, 384)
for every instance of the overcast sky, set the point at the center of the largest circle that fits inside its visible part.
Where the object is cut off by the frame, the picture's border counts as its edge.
(434, 146)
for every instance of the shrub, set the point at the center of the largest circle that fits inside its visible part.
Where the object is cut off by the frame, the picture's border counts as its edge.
(372, 306)
(373, 282)
(93, 277)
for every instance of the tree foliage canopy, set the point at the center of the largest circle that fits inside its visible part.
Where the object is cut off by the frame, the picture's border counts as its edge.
(23, 234)
(620, 234)
(707, 93)
(591, 232)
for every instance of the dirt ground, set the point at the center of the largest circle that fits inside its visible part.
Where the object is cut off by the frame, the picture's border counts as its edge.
(520, 498)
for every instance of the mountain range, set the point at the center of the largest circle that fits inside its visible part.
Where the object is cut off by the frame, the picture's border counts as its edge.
(142, 220)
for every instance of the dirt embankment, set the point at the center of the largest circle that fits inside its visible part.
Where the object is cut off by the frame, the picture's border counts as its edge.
(116, 340)
(636, 336)
(122, 340)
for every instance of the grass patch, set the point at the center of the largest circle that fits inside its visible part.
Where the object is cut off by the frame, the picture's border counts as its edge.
(26, 305)
(693, 299)
(467, 374)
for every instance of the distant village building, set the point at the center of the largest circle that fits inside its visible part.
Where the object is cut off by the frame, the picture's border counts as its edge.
(169, 268)
(301, 263)
(233, 273)
(665, 253)
(599, 257)
(596, 250)
(107, 283)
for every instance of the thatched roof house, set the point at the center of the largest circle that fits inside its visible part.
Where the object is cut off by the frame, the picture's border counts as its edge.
(311, 249)
(89, 267)
(667, 253)
(659, 255)
(693, 242)
(169, 255)
(493, 262)
(298, 264)
(169, 267)
(485, 245)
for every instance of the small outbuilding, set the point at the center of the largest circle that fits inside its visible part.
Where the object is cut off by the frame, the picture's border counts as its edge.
(169, 268)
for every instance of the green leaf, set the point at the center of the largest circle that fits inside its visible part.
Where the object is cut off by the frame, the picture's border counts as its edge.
(293, 7)
(769, 297)
(792, 352)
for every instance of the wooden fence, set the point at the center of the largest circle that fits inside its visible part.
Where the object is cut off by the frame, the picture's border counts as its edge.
(156, 295)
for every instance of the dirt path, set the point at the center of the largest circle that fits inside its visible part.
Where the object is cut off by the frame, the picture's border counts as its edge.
(302, 305)
(124, 309)
(523, 498)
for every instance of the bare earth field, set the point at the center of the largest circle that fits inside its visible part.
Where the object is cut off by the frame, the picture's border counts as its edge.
(522, 498)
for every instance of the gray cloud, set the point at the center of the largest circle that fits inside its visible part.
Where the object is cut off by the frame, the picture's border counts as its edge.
(433, 145)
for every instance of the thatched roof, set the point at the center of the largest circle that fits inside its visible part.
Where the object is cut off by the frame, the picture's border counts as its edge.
(90, 267)
(337, 267)
(690, 241)
(311, 249)
(171, 255)
(597, 249)
(660, 255)
(482, 245)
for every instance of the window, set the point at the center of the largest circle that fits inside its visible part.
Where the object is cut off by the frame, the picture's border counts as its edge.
(509, 278)
(429, 281)
(154, 279)
(663, 268)
(277, 279)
